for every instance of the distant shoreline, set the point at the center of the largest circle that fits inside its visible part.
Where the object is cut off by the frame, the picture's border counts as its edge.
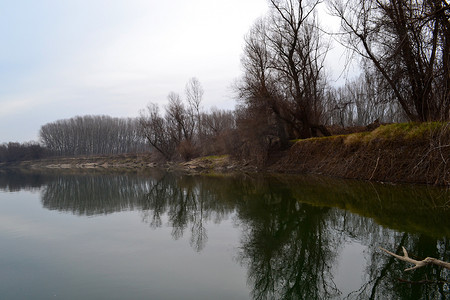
(394, 153)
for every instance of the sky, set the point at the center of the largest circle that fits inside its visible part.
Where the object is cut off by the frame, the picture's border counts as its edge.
(61, 59)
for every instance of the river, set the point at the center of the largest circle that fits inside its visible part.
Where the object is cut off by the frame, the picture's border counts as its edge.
(163, 235)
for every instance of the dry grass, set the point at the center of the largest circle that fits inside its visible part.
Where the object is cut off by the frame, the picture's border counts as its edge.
(409, 152)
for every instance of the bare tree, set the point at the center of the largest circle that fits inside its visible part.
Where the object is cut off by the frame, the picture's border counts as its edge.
(181, 122)
(299, 52)
(194, 94)
(155, 129)
(408, 43)
(284, 65)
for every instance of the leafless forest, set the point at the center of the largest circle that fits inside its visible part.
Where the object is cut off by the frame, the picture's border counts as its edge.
(284, 93)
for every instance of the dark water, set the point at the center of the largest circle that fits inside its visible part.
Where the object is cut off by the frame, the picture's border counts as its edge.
(167, 236)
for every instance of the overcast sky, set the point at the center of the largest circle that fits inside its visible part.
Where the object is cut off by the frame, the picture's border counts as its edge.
(63, 58)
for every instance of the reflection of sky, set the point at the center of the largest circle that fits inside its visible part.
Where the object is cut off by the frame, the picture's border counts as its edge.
(46, 253)
(350, 267)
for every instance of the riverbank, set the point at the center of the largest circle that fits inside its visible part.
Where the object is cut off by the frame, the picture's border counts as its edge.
(135, 163)
(100, 162)
(410, 152)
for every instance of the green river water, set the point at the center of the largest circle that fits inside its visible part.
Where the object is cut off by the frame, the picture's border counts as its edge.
(166, 236)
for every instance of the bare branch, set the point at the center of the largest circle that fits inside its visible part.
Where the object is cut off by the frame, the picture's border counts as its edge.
(418, 263)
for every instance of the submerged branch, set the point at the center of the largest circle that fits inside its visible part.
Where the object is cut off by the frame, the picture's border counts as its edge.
(418, 263)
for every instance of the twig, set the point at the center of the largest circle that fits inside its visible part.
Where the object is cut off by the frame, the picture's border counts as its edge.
(418, 263)
(376, 166)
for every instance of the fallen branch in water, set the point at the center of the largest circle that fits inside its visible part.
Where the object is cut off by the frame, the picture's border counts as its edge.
(418, 263)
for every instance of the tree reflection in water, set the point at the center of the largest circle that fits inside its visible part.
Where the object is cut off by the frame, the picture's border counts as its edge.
(287, 247)
(292, 232)
(15, 180)
(188, 203)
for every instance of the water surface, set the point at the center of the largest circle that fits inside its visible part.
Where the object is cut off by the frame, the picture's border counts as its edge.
(167, 236)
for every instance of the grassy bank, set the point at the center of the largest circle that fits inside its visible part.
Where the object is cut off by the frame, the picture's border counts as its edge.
(409, 152)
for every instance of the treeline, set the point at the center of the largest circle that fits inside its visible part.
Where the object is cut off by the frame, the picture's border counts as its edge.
(89, 135)
(86, 135)
(12, 152)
